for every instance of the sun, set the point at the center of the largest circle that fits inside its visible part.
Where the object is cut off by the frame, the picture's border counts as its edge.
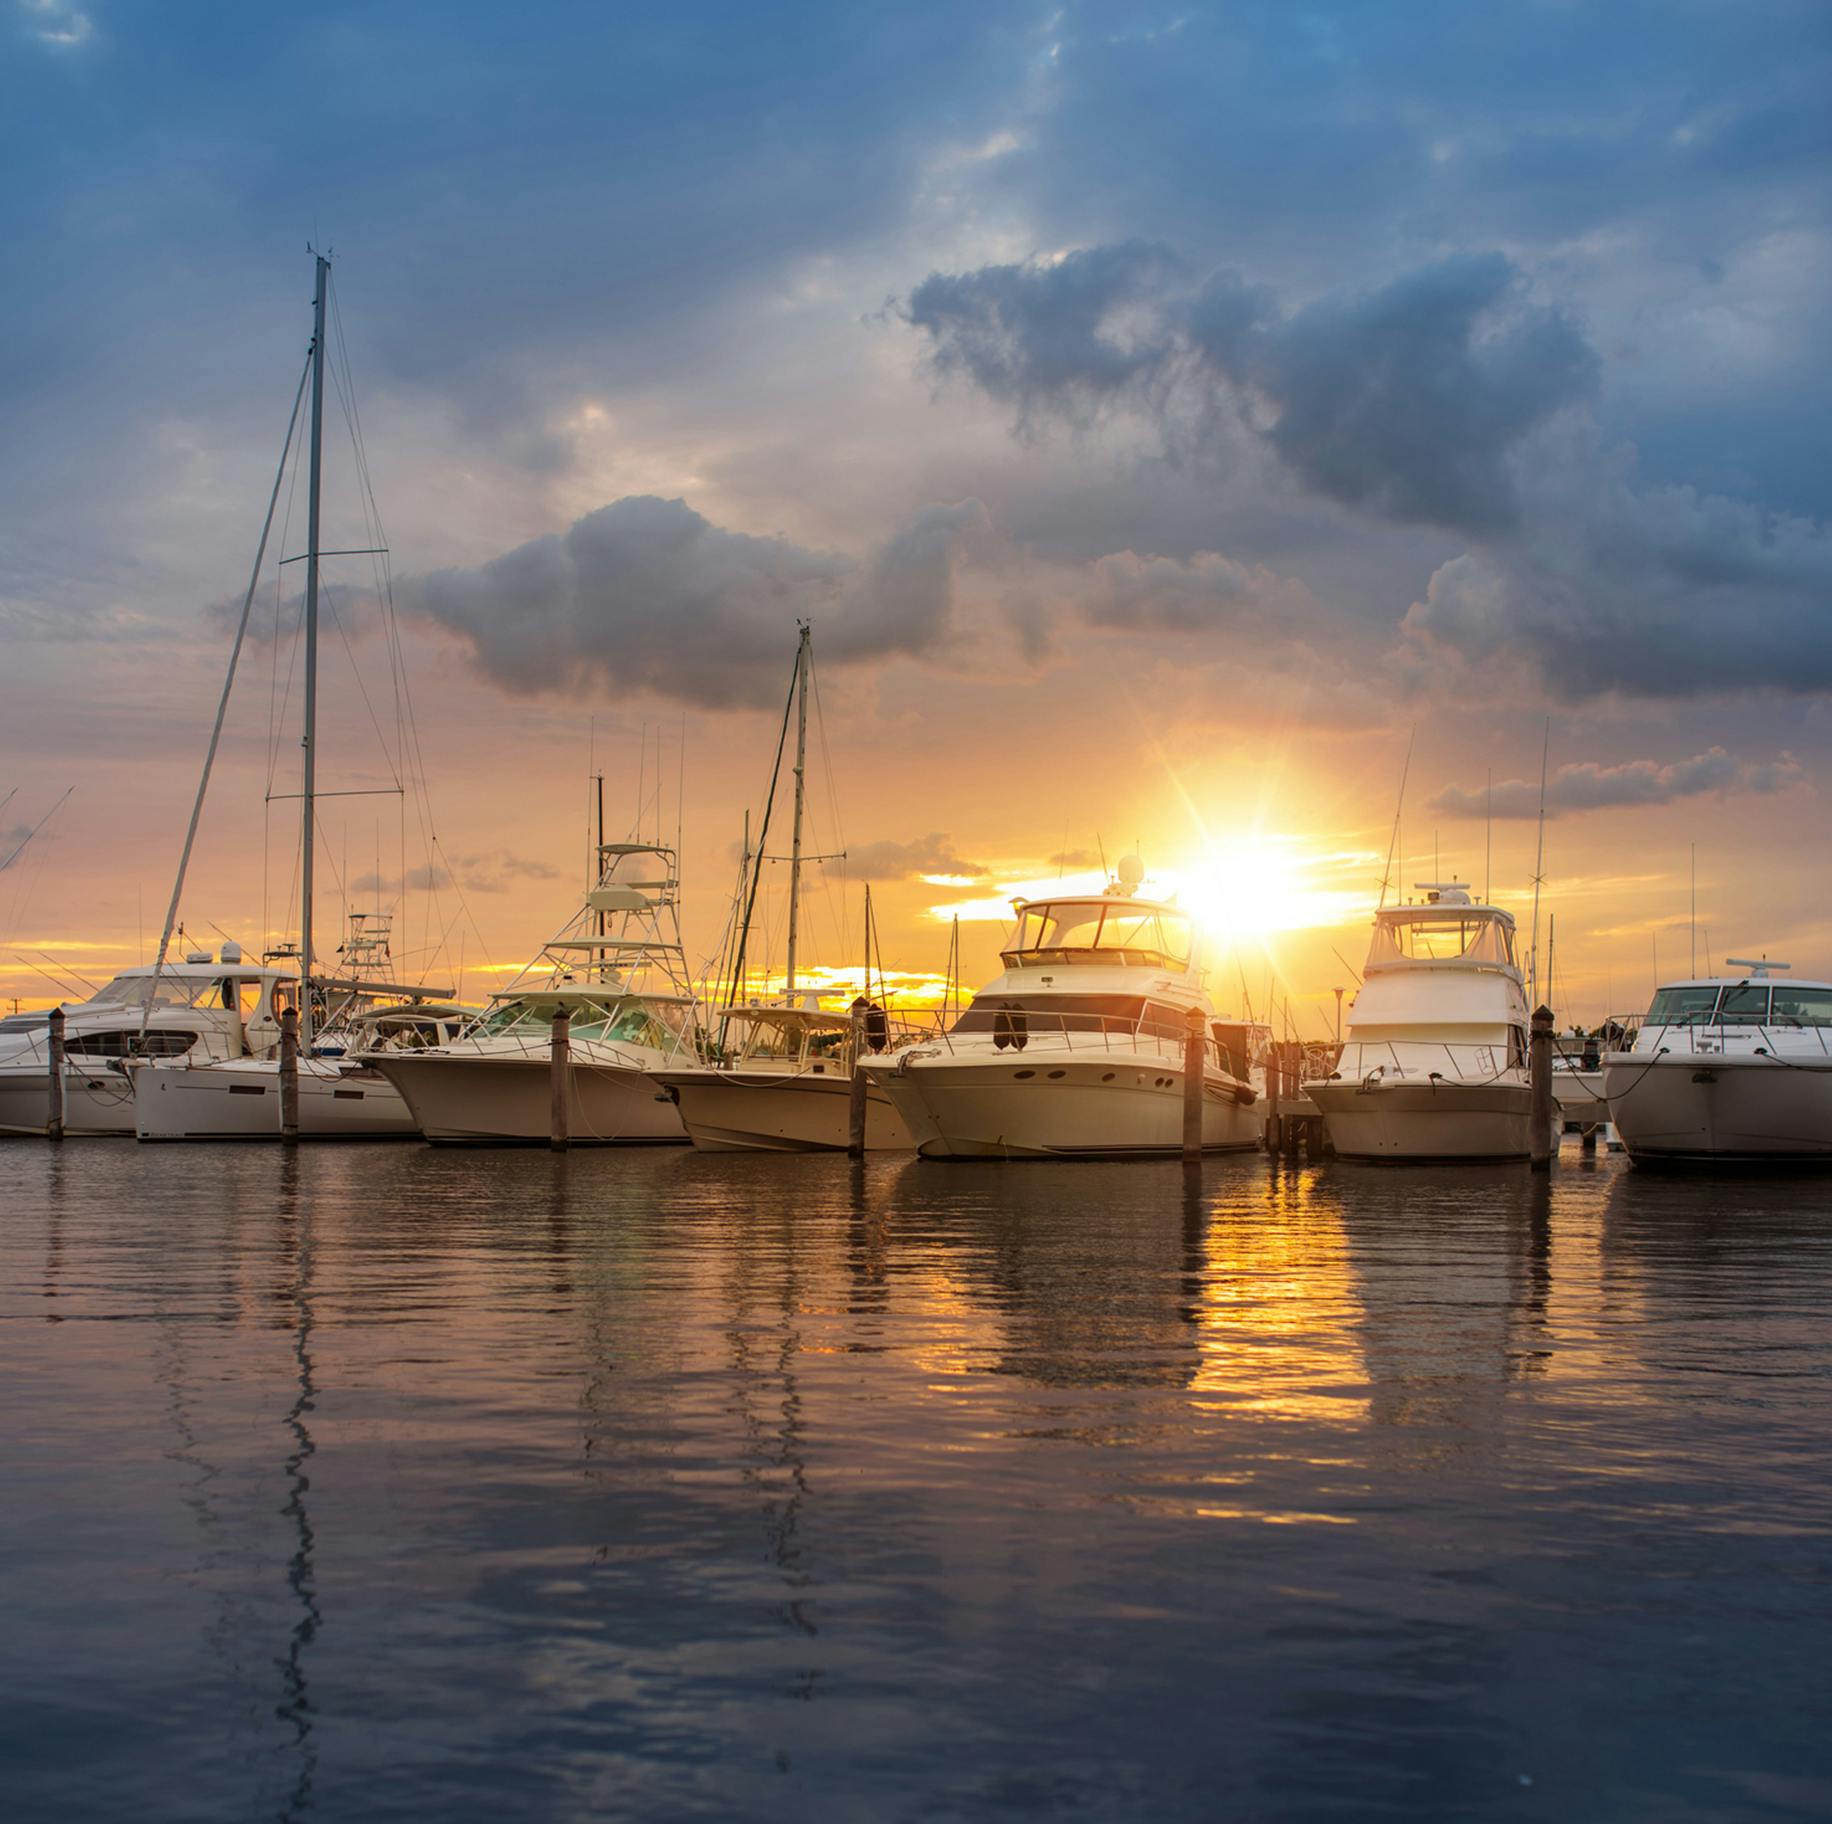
(1250, 888)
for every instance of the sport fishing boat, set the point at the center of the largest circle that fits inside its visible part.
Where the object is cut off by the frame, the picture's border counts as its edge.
(780, 1079)
(340, 1097)
(1733, 1069)
(618, 970)
(1076, 1050)
(1435, 1061)
(786, 1089)
(201, 1008)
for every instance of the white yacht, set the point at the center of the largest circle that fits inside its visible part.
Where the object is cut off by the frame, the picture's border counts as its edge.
(1728, 1068)
(342, 1096)
(201, 1008)
(619, 971)
(787, 1087)
(1076, 1050)
(1435, 1062)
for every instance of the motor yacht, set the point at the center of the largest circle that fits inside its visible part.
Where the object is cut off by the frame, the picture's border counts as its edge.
(1434, 1065)
(785, 1088)
(201, 1008)
(1076, 1049)
(618, 970)
(1728, 1069)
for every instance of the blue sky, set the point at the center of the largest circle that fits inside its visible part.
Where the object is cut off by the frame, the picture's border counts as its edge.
(1324, 370)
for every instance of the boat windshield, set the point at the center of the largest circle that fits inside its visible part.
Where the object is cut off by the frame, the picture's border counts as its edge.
(1801, 1006)
(1447, 936)
(1683, 1007)
(628, 1022)
(1098, 931)
(174, 991)
(1017, 1016)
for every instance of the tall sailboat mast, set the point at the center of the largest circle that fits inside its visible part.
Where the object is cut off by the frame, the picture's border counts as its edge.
(310, 739)
(801, 766)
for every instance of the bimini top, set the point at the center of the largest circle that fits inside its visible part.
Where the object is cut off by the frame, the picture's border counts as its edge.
(1449, 930)
(1110, 930)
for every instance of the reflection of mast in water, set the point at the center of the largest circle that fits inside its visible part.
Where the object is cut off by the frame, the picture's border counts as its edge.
(775, 1445)
(296, 1708)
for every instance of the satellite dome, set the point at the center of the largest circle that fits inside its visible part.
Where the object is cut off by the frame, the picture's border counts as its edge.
(1129, 872)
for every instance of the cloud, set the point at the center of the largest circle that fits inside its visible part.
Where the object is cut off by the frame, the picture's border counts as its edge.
(1164, 594)
(493, 872)
(648, 594)
(928, 856)
(1587, 786)
(1408, 401)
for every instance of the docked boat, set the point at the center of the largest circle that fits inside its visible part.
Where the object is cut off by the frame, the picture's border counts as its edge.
(203, 1008)
(342, 1096)
(619, 972)
(1076, 1050)
(1733, 1069)
(1434, 1064)
(786, 1088)
(779, 1076)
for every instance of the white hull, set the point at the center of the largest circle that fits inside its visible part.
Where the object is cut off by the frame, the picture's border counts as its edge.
(1580, 1095)
(1707, 1108)
(1059, 1105)
(1419, 1121)
(242, 1102)
(96, 1102)
(508, 1101)
(781, 1112)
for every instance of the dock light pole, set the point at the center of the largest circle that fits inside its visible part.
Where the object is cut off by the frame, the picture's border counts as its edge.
(1542, 1143)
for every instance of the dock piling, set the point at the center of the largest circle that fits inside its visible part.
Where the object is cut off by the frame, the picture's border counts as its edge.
(856, 1089)
(559, 1071)
(1542, 1141)
(289, 1076)
(1195, 1047)
(54, 1105)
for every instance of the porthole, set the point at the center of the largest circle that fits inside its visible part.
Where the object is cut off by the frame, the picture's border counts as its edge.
(1054, 1074)
(1022, 1074)
(1107, 1077)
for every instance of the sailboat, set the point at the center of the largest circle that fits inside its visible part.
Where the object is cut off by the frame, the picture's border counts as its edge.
(784, 1082)
(233, 1092)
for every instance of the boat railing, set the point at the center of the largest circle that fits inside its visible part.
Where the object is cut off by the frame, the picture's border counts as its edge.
(1014, 1031)
(1449, 1059)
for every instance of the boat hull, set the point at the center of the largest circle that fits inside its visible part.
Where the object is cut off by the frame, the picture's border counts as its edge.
(1704, 1110)
(97, 1103)
(1425, 1122)
(242, 1102)
(1060, 1107)
(734, 1111)
(488, 1101)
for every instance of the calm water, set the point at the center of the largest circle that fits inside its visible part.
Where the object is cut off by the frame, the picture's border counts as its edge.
(387, 1483)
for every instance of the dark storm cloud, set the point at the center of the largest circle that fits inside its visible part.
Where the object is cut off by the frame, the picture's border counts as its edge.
(1588, 786)
(647, 594)
(1407, 401)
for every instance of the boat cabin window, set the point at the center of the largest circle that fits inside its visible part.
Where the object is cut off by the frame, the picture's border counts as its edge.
(1100, 933)
(1021, 1015)
(1744, 1006)
(173, 991)
(1682, 1007)
(1801, 1006)
(154, 1044)
(1441, 936)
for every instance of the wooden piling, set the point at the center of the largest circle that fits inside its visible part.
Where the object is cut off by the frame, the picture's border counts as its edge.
(289, 1076)
(1542, 1140)
(856, 1089)
(54, 1105)
(1292, 1079)
(559, 1074)
(1271, 1134)
(1195, 1059)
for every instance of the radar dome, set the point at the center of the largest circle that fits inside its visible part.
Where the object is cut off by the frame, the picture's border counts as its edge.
(1129, 872)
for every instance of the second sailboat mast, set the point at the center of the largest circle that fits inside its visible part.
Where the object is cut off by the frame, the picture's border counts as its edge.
(801, 765)
(310, 738)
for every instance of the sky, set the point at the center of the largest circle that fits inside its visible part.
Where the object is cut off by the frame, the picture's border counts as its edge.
(1177, 423)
